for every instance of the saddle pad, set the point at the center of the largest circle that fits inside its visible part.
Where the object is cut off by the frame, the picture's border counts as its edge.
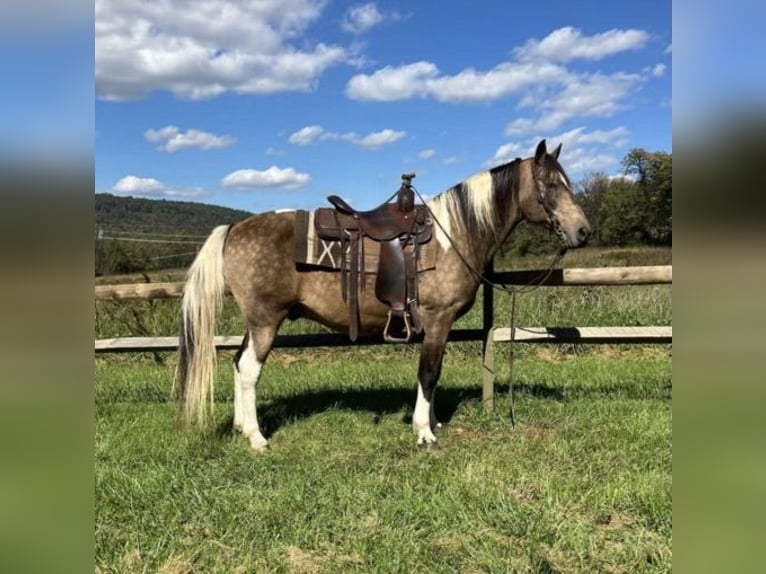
(311, 250)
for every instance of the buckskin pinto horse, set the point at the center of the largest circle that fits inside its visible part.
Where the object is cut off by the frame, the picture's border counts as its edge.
(255, 260)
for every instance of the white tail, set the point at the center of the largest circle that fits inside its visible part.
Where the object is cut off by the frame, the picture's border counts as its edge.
(197, 361)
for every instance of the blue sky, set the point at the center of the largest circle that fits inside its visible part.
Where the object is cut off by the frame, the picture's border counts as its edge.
(278, 103)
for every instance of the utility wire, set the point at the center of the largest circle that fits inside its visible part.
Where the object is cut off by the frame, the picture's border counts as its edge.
(151, 240)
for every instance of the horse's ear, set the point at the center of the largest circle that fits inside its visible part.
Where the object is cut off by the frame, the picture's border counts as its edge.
(556, 152)
(540, 152)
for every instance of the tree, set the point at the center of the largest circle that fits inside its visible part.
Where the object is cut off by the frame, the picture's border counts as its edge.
(654, 176)
(622, 213)
(590, 194)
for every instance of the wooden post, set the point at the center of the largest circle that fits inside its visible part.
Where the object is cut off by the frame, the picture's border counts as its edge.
(488, 350)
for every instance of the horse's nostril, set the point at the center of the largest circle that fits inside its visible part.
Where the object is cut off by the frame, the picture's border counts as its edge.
(583, 232)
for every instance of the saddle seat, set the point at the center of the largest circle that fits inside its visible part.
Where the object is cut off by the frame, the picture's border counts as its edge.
(383, 223)
(400, 228)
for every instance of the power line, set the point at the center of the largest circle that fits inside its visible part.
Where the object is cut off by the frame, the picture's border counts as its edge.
(113, 231)
(174, 255)
(152, 240)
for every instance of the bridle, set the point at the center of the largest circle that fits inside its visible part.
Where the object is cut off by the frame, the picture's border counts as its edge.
(553, 219)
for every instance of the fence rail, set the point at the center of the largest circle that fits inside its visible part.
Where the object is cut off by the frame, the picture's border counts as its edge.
(645, 275)
(489, 334)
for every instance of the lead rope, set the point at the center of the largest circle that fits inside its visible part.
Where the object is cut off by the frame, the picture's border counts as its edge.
(510, 359)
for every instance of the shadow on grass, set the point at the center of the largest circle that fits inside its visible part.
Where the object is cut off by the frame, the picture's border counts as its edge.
(275, 413)
(538, 391)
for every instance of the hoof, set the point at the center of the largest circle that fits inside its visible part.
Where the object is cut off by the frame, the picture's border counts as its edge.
(260, 446)
(427, 445)
(426, 438)
(258, 443)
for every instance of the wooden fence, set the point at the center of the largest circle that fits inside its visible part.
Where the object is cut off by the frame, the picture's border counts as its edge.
(488, 334)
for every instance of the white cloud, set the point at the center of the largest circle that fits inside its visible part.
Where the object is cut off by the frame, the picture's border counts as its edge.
(218, 46)
(273, 177)
(505, 153)
(521, 126)
(176, 140)
(305, 136)
(617, 137)
(582, 151)
(669, 49)
(131, 185)
(536, 74)
(593, 95)
(383, 137)
(659, 70)
(568, 43)
(423, 80)
(427, 153)
(310, 134)
(622, 177)
(161, 134)
(452, 160)
(583, 162)
(361, 18)
(390, 83)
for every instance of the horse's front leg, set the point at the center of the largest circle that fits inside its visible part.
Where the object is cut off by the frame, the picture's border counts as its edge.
(429, 369)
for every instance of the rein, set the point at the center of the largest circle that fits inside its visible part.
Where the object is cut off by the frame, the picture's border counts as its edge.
(535, 283)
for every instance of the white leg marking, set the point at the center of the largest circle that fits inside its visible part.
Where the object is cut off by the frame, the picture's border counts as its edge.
(237, 400)
(249, 371)
(435, 424)
(421, 419)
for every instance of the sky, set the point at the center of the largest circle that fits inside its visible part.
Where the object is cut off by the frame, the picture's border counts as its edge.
(275, 104)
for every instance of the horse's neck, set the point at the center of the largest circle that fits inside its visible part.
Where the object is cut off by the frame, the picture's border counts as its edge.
(479, 250)
(491, 242)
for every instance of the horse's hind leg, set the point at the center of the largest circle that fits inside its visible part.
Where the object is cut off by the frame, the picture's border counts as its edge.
(238, 416)
(248, 366)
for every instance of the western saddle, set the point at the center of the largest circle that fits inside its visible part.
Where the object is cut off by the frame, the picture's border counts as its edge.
(399, 228)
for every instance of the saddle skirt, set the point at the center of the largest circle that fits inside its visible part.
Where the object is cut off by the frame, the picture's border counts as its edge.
(312, 251)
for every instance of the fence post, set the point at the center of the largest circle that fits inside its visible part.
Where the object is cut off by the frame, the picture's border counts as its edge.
(488, 349)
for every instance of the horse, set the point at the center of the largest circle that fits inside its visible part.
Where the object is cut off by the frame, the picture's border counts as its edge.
(254, 259)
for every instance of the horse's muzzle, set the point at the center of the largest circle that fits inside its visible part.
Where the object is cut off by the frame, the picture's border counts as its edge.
(576, 237)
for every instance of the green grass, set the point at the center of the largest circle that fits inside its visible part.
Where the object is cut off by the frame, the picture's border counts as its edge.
(583, 483)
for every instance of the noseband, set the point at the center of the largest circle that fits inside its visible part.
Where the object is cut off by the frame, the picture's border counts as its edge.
(553, 220)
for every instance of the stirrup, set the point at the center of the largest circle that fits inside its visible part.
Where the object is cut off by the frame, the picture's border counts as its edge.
(388, 338)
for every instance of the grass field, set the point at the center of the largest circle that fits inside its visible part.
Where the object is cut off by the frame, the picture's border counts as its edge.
(582, 483)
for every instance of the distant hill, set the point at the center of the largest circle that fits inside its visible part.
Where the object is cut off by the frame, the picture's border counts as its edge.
(134, 235)
(131, 214)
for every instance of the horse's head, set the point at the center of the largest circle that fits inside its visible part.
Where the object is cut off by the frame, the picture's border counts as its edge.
(549, 199)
